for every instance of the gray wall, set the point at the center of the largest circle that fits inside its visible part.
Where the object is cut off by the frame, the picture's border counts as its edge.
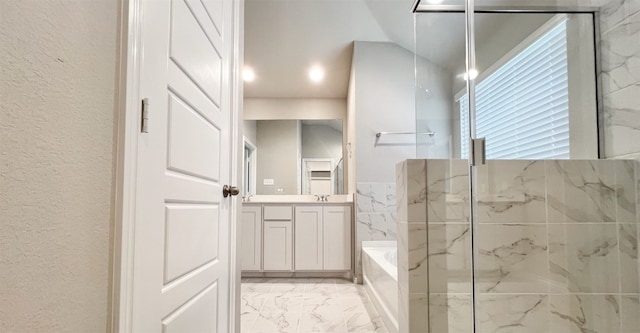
(434, 110)
(385, 101)
(277, 154)
(57, 83)
(250, 130)
(384, 95)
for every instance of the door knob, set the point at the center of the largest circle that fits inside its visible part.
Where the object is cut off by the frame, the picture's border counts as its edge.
(229, 190)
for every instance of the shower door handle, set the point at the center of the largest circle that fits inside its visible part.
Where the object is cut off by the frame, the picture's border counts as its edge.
(477, 151)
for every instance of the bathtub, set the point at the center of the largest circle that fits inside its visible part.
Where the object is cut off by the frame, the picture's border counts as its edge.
(380, 274)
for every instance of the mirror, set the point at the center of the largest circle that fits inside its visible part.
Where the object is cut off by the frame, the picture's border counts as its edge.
(290, 156)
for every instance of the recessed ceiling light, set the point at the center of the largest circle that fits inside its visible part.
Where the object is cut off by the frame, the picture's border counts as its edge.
(248, 74)
(473, 74)
(435, 2)
(316, 74)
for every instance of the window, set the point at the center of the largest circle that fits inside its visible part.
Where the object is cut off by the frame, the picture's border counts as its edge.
(522, 108)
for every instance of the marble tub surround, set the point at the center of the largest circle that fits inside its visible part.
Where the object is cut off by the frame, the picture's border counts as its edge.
(511, 192)
(413, 267)
(628, 238)
(527, 312)
(450, 312)
(447, 191)
(620, 76)
(614, 12)
(619, 62)
(557, 246)
(380, 279)
(512, 259)
(376, 197)
(584, 258)
(583, 191)
(376, 218)
(449, 246)
(306, 305)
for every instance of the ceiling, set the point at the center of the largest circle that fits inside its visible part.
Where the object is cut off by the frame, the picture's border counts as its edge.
(284, 38)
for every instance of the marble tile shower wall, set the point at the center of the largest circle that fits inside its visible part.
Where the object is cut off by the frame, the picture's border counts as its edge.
(620, 76)
(375, 215)
(557, 246)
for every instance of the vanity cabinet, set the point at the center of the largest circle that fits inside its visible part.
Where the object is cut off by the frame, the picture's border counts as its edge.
(277, 238)
(251, 238)
(308, 236)
(336, 231)
(296, 238)
(322, 238)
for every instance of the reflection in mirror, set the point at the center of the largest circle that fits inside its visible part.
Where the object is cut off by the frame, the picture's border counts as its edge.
(293, 157)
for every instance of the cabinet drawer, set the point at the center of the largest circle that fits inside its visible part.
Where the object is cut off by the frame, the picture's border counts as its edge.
(278, 212)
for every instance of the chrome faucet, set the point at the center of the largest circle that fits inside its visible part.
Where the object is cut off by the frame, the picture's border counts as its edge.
(323, 197)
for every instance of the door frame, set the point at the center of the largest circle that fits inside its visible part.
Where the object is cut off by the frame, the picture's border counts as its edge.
(252, 170)
(303, 174)
(126, 131)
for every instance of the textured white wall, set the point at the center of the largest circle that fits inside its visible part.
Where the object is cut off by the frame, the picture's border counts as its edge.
(57, 81)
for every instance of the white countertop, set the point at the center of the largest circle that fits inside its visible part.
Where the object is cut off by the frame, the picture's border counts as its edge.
(334, 198)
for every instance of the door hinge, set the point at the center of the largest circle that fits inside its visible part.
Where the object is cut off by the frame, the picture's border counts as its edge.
(144, 128)
(477, 153)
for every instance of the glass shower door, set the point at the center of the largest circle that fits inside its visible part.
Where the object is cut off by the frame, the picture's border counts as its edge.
(548, 240)
(440, 73)
(555, 227)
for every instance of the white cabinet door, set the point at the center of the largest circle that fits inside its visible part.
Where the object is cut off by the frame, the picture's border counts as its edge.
(308, 238)
(337, 238)
(251, 238)
(278, 251)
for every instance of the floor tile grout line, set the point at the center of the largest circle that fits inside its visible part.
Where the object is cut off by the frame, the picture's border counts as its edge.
(344, 317)
(342, 308)
(261, 307)
(304, 292)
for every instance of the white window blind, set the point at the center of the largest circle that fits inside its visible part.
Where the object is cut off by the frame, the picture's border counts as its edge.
(523, 107)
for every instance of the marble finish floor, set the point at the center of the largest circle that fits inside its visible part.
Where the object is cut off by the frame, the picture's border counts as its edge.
(307, 305)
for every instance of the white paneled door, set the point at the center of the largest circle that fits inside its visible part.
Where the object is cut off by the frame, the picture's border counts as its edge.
(182, 233)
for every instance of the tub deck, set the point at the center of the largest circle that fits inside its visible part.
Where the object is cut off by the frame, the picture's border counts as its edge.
(381, 279)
